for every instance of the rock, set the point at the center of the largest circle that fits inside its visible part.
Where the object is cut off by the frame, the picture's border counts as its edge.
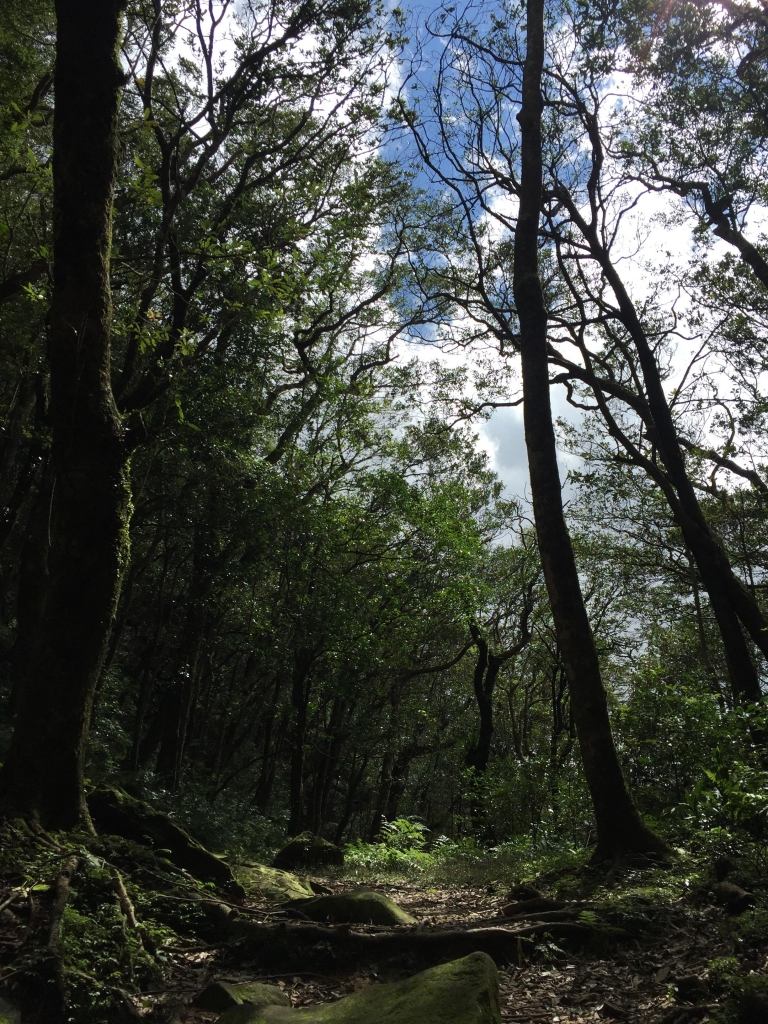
(273, 883)
(524, 892)
(691, 989)
(361, 906)
(538, 905)
(308, 850)
(319, 889)
(684, 1014)
(220, 995)
(735, 899)
(463, 991)
(114, 812)
(612, 1011)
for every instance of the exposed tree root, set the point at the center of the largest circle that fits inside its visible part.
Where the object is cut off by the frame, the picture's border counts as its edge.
(55, 996)
(299, 945)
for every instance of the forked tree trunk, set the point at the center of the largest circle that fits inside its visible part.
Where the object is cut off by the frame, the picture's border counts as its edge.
(43, 773)
(484, 681)
(620, 830)
(731, 601)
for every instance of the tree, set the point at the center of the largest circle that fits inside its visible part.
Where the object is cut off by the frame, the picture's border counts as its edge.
(620, 830)
(94, 426)
(470, 160)
(43, 773)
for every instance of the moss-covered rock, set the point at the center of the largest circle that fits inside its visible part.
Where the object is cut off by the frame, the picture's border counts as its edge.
(464, 991)
(116, 813)
(273, 883)
(220, 995)
(308, 850)
(362, 906)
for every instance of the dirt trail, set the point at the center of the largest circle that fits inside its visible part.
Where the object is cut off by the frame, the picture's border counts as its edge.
(635, 982)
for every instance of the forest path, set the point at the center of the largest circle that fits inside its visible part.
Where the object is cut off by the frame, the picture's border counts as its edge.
(674, 938)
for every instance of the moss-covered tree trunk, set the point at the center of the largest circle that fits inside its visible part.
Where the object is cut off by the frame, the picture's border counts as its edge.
(620, 830)
(88, 512)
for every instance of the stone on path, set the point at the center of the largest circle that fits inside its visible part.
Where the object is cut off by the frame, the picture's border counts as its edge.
(735, 899)
(463, 991)
(220, 995)
(524, 892)
(361, 906)
(308, 850)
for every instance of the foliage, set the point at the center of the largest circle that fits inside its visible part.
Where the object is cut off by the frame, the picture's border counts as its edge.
(316, 532)
(400, 850)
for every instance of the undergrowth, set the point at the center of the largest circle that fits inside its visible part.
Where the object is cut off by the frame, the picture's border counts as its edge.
(407, 850)
(99, 959)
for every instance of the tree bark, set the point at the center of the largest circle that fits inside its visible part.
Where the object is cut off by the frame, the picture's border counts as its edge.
(487, 670)
(43, 773)
(620, 830)
(326, 764)
(484, 681)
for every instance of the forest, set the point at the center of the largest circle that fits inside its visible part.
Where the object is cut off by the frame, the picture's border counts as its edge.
(383, 507)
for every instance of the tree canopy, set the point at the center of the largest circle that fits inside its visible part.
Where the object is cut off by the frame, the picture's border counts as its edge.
(256, 310)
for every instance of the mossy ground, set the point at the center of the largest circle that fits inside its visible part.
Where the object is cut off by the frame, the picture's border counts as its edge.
(464, 991)
(105, 960)
(272, 883)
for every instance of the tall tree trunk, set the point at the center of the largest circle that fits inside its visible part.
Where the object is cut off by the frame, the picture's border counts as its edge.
(382, 795)
(299, 703)
(33, 579)
(486, 672)
(268, 759)
(355, 779)
(478, 754)
(328, 756)
(43, 774)
(620, 830)
(170, 757)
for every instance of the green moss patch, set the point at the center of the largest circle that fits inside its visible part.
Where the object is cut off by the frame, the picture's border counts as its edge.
(464, 991)
(308, 850)
(362, 906)
(273, 883)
